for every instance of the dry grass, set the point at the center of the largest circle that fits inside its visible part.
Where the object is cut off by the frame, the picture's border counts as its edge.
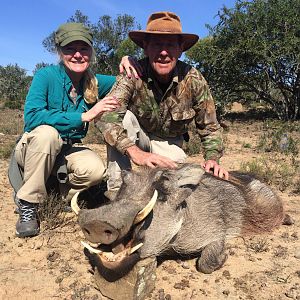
(52, 212)
(11, 126)
(258, 245)
(11, 122)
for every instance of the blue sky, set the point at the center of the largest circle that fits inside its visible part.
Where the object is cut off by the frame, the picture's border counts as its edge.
(25, 23)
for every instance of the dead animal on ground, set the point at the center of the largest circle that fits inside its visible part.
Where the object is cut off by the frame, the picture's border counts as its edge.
(184, 211)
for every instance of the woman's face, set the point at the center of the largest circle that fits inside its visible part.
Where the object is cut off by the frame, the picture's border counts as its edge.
(76, 56)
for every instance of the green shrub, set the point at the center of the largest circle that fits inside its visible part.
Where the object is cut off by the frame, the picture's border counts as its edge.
(276, 171)
(279, 137)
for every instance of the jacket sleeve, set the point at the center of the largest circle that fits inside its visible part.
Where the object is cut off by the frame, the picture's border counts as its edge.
(37, 111)
(110, 123)
(208, 127)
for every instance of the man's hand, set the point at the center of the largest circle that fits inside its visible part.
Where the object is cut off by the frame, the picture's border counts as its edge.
(131, 66)
(142, 158)
(217, 170)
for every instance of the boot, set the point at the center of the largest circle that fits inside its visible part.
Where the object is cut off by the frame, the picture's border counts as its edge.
(28, 223)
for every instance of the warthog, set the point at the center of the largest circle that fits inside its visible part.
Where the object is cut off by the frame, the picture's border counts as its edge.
(184, 211)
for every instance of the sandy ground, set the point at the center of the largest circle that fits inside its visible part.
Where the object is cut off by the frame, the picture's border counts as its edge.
(53, 266)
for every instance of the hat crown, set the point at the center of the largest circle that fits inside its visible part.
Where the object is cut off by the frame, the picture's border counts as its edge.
(164, 22)
(71, 32)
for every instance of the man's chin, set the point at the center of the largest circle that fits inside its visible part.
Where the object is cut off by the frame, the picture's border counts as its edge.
(163, 72)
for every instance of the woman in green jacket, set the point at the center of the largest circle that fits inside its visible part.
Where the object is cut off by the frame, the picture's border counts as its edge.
(61, 102)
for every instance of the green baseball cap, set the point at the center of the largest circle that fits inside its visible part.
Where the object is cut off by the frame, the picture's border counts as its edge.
(70, 32)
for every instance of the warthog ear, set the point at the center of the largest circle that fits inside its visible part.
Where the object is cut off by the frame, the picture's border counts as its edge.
(177, 185)
(189, 175)
(126, 176)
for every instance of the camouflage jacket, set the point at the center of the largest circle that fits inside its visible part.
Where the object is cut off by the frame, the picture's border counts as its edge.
(165, 114)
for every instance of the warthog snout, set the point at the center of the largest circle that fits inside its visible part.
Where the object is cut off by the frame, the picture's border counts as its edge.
(100, 232)
(96, 231)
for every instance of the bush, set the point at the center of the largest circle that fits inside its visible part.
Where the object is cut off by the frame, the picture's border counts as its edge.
(276, 171)
(279, 137)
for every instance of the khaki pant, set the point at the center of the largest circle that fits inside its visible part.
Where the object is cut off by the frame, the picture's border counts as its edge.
(169, 147)
(37, 151)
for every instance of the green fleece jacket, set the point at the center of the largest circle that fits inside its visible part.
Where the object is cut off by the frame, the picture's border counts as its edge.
(48, 102)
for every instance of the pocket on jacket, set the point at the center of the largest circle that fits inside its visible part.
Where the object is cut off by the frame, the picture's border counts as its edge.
(181, 120)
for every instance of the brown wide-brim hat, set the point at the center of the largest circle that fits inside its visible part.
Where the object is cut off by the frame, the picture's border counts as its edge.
(164, 23)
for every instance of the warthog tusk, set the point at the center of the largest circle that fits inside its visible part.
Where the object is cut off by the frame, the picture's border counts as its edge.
(138, 246)
(74, 204)
(90, 248)
(146, 210)
(109, 256)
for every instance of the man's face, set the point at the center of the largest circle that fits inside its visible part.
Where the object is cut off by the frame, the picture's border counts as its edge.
(163, 52)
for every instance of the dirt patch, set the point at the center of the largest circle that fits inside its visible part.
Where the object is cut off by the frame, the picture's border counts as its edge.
(53, 265)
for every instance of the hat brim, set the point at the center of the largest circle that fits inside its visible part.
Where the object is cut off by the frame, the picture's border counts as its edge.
(188, 39)
(75, 38)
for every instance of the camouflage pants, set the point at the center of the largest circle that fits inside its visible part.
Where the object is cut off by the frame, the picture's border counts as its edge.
(169, 147)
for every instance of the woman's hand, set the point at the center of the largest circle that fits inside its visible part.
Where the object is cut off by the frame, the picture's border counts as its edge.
(131, 66)
(109, 103)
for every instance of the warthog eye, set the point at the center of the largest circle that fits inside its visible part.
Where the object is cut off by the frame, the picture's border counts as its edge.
(181, 205)
(87, 231)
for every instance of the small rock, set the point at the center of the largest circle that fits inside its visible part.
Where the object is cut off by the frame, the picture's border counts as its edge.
(251, 258)
(59, 279)
(185, 265)
(295, 235)
(52, 256)
(231, 252)
(177, 286)
(172, 271)
(285, 235)
(20, 245)
(297, 253)
(226, 274)
(184, 283)
(292, 293)
(168, 297)
(226, 292)
(288, 220)
(161, 294)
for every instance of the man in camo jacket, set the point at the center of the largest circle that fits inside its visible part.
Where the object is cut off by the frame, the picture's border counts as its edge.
(157, 108)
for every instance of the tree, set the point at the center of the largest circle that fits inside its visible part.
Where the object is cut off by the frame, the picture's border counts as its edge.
(14, 84)
(39, 66)
(110, 40)
(254, 53)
